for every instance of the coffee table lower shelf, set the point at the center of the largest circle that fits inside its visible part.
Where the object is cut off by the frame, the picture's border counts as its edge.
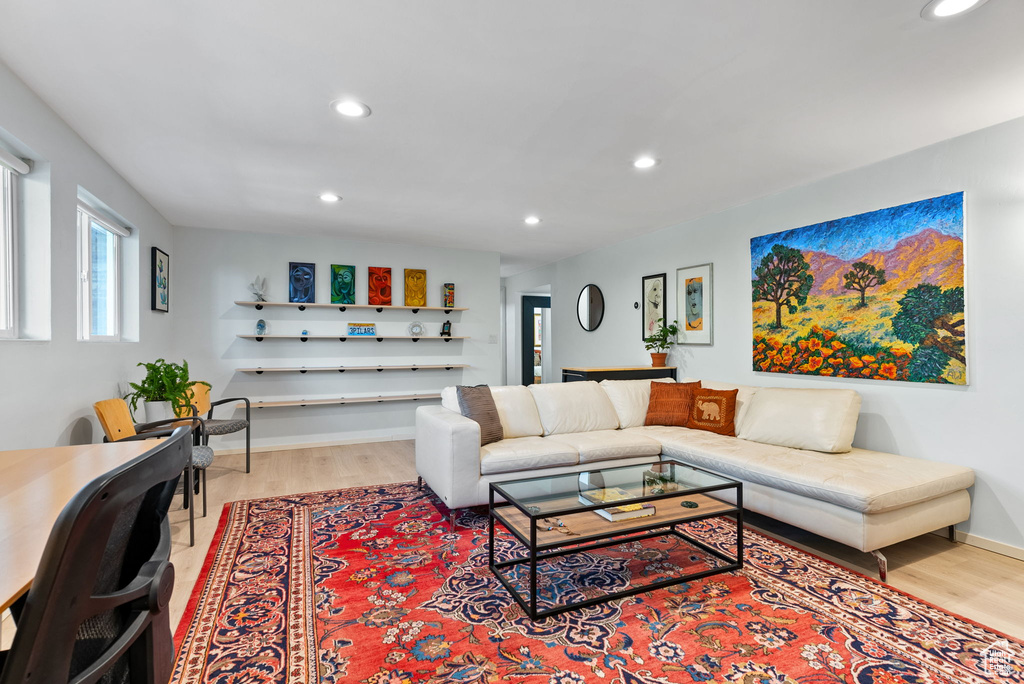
(602, 535)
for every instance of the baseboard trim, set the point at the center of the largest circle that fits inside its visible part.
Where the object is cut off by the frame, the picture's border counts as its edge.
(987, 544)
(314, 445)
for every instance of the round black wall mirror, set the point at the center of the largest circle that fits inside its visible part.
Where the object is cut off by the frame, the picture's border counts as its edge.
(590, 307)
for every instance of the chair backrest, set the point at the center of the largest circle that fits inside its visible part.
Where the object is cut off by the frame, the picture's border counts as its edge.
(98, 611)
(199, 396)
(115, 418)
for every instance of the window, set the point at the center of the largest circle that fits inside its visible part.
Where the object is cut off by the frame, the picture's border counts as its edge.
(8, 250)
(99, 288)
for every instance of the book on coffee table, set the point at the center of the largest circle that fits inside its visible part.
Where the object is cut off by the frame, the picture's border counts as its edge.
(604, 495)
(627, 512)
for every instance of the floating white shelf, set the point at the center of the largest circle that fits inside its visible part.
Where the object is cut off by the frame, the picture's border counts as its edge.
(344, 338)
(344, 307)
(342, 400)
(341, 369)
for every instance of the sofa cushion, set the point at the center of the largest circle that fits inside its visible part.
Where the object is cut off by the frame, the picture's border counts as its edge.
(518, 411)
(713, 410)
(630, 399)
(477, 404)
(450, 399)
(670, 404)
(525, 454)
(743, 396)
(816, 419)
(605, 445)
(574, 407)
(861, 480)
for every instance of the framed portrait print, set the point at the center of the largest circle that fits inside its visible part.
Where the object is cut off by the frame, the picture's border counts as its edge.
(653, 302)
(695, 304)
(160, 291)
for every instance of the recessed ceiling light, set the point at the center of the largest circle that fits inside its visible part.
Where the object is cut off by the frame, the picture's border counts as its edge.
(645, 162)
(329, 197)
(531, 220)
(943, 9)
(351, 108)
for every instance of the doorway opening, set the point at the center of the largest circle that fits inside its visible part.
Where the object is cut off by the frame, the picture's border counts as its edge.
(536, 339)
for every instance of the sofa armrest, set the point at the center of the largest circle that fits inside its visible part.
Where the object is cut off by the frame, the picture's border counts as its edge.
(448, 454)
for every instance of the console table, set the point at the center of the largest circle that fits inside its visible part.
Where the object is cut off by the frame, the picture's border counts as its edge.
(570, 374)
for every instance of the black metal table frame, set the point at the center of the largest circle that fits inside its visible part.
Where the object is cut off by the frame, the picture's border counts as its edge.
(553, 550)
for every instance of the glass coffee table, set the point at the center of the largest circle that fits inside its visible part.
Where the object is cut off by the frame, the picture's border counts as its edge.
(557, 515)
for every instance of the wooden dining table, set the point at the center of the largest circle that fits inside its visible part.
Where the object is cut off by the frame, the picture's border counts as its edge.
(35, 485)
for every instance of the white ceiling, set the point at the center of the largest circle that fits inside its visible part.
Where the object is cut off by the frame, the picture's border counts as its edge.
(487, 110)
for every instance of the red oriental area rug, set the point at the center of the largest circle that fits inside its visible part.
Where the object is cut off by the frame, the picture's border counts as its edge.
(371, 585)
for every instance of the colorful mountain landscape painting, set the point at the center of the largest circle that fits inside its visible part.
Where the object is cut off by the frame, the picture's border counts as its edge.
(877, 295)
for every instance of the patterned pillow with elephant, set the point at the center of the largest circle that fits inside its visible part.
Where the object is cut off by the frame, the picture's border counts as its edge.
(714, 411)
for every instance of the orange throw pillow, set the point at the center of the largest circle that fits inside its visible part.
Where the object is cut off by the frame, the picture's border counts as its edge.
(670, 403)
(714, 411)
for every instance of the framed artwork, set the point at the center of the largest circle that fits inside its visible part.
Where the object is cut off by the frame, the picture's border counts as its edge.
(160, 291)
(301, 282)
(653, 288)
(343, 284)
(448, 296)
(415, 287)
(695, 305)
(877, 296)
(378, 284)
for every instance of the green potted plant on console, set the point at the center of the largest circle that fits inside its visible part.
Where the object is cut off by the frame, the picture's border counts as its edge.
(164, 390)
(660, 341)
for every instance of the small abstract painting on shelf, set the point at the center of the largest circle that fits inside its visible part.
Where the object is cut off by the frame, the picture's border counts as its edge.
(378, 283)
(877, 296)
(343, 284)
(448, 295)
(301, 282)
(415, 287)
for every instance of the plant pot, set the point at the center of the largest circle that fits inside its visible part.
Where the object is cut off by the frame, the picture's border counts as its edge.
(658, 359)
(157, 410)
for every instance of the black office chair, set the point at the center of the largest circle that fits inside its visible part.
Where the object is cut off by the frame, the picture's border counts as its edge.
(97, 612)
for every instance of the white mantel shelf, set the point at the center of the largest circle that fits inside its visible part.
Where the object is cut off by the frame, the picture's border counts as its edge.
(344, 338)
(342, 400)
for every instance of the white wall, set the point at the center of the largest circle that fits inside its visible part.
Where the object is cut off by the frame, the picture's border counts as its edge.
(50, 382)
(213, 270)
(977, 425)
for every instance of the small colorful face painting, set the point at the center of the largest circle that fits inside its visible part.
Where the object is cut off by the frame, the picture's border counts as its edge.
(415, 287)
(301, 282)
(379, 285)
(343, 284)
(694, 303)
(448, 295)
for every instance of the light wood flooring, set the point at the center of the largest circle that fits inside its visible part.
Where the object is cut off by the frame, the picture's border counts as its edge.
(978, 584)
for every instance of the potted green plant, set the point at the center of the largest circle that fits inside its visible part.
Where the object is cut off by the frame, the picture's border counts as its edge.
(661, 340)
(164, 390)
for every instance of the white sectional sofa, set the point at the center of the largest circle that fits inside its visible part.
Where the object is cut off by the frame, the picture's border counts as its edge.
(792, 452)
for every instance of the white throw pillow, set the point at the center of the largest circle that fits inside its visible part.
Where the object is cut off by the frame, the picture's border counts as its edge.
(450, 399)
(630, 399)
(517, 411)
(574, 407)
(815, 419)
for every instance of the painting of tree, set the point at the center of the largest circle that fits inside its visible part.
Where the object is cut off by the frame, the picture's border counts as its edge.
(875, 296)
(783, 279)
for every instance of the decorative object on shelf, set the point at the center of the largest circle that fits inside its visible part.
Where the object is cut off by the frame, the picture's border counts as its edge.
(694, 304)
(446, 329)
(415, 287)
(378, 285)
(362, 329)
(160, 291)
(653, 288)
(304, 333)
(164, 383)
(448, 295)
(258, 288)
(660, 341)
(301, 282)
(689, 504)
(823, 304)
(660, 479)
(261, 327)
(416, 329)
(555, 525)
(343, 284)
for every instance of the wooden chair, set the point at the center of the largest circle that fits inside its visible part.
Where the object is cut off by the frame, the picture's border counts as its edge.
(200, 398)
(116, 419)
(97, 608)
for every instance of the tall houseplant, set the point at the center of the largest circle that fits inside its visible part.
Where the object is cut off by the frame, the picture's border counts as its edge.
(164, 382)
(661, 340)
